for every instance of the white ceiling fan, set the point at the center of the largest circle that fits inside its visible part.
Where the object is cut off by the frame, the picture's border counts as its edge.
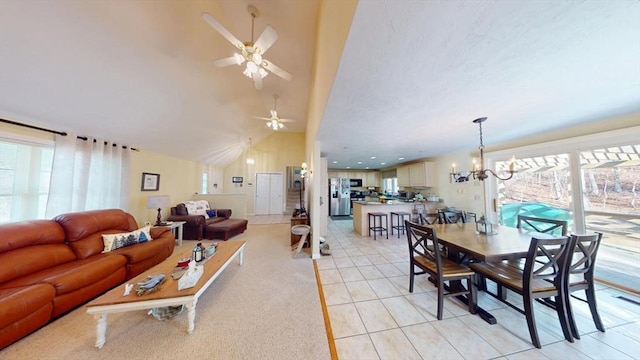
(275, 122)
(251, 52)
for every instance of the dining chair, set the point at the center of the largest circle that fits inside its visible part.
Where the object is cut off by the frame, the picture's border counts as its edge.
(542, 225)
(539, 279)
(450, 217)
(584, 249)
(425, 253)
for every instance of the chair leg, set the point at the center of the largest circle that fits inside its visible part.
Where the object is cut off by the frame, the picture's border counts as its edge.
(531, 320)
(563, 316)
(440, 299)
(411, 276)
(570, 318)
(591, 299)
(473, 295)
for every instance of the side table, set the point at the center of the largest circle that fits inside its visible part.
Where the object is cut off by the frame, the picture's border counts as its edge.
(176, 228)
(298, 220)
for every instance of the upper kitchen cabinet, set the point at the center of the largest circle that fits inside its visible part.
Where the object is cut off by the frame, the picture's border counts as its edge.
(372, 178)
(421, 174)
(402, 173)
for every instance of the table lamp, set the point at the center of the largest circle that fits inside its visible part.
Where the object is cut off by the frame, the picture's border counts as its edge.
(158, 202)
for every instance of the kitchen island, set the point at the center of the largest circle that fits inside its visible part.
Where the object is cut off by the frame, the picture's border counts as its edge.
(361, 210)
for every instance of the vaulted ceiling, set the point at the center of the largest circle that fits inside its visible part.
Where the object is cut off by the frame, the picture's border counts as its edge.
(412, 76)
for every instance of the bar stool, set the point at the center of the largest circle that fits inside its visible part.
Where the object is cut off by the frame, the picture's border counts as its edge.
(400, 221)
(377, 224)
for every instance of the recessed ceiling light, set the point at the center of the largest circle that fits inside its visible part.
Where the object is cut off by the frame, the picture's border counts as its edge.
(400, 158)
(373, 158)
(367, 167)
(382, 163)
(348, 167)
(359, 162)
(335, 162)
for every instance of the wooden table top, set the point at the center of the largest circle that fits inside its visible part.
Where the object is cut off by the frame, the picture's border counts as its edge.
(504, 243)
(169, 289)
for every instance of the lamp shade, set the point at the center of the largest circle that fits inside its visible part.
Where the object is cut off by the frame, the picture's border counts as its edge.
(158, 202)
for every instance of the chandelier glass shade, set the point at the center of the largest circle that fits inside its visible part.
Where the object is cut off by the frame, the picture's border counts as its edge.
(478, 171)
(274, 124)
(250, 160)
(253, 59)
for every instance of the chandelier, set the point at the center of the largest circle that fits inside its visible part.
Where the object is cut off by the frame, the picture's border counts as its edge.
(275, 124)
(252, 55)
(250, 160)
(480, 173)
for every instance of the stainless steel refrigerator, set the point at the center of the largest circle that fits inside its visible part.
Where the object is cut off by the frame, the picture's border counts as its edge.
(340, 195)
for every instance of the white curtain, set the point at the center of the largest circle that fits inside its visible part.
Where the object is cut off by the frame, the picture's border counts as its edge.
(87, 175)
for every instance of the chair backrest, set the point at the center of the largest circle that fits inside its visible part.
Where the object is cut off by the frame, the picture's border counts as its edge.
(450, 217)
(423, 241)
(546, 260)
(542, 225)
(470, 217)
(584, 249)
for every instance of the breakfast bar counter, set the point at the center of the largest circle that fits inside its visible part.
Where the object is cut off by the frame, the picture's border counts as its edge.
(361, 209)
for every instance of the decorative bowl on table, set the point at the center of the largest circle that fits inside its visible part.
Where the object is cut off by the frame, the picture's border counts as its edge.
(184, 262)
(210, 250)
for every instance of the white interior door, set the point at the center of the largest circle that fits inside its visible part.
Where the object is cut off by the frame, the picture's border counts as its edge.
(268, 193)
(275, 194)
(263, 183)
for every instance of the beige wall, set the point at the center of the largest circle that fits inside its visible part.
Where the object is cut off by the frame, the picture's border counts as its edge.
(272, 155)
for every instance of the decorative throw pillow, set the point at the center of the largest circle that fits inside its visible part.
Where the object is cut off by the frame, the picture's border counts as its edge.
(116, 241)
(211, 213)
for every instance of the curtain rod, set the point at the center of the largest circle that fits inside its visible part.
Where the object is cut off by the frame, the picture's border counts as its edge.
(56, 132)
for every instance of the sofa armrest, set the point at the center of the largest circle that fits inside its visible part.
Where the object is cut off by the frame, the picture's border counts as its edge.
(192, 220)
(225, 213)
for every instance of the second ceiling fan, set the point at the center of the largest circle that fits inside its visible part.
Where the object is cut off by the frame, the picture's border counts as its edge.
(251, 53)
(275, 122)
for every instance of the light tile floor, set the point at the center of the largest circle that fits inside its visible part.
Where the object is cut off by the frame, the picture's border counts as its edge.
(373, 315)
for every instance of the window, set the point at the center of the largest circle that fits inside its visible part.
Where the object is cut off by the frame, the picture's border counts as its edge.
(205, 181)
(390, 186)
(25, 172)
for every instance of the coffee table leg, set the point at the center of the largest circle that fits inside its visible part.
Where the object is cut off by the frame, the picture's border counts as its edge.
(101, 330)
(241, 255)
(191, 313)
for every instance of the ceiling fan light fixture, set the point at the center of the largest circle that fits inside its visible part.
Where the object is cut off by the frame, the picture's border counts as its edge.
(238, 58)
(263, 73)
(251, 67)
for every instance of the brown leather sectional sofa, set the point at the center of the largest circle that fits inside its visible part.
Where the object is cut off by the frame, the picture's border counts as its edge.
(49, 267)
(198, 227)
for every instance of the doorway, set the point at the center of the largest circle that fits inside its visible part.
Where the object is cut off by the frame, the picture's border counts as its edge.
(268, 194)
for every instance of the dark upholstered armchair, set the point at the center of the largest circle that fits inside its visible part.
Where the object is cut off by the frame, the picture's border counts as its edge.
(194, 228)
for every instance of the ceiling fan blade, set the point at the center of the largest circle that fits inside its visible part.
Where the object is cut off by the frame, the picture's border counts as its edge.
(257, 80)
(231, 60)
(261, 118)
(274, 114)
(286, 120)
(266, 39)
(276, 70)
(221, 29)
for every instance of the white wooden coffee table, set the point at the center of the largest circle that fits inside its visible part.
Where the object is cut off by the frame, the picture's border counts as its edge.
(114, 301)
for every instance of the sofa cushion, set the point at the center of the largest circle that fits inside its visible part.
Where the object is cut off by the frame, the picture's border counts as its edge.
(16, 303)
(73, 275)
(29, 233)
(84, 229)
(116, 241)
(28, 260)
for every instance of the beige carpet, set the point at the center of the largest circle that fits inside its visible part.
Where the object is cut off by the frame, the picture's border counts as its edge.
(269, 308)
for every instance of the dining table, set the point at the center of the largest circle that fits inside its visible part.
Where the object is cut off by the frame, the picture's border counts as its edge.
(463, 241)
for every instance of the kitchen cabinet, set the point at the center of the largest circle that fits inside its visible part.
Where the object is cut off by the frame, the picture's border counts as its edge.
(402, 173)
(421, 174)
(372, 178)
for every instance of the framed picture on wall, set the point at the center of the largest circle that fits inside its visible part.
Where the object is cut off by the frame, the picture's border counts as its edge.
(237, 179)
(150, 182)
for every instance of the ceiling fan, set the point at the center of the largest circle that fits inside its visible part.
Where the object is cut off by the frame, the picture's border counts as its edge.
(275, 122)
(251, 52)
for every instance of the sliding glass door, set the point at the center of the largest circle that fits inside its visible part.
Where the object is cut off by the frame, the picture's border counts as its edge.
(592, 182)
